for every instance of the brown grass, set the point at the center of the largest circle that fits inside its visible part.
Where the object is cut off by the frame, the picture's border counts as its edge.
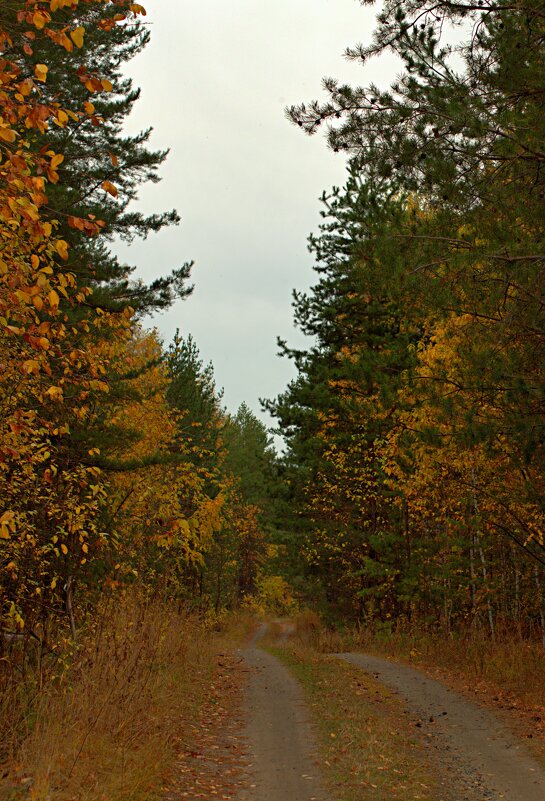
(510, 663)
(312, 634)
(109, 727)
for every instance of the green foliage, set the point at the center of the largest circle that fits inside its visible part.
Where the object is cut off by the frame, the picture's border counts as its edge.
(250, 455)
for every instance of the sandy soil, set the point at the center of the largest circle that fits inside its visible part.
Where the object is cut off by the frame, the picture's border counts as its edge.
(472, 746)
(280, 739)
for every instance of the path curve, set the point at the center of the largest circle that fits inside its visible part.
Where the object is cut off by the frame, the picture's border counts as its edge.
(280, 738)
(473, 743)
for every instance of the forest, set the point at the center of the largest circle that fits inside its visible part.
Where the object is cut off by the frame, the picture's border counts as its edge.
(415, 424)
(410, 493)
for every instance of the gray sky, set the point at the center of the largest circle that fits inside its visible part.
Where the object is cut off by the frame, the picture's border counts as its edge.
(215, 80)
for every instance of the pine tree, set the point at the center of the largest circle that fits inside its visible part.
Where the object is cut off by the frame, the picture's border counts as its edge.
(457, 140)
(344, 400)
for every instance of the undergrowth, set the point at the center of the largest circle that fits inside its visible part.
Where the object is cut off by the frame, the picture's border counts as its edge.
(507, 674)
(508, 663)
(110, 720)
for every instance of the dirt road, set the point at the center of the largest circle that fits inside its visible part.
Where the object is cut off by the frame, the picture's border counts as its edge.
(279, 736)
(475, 757)
(487, 762)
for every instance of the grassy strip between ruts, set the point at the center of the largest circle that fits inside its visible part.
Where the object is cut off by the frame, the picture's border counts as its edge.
(369, 749)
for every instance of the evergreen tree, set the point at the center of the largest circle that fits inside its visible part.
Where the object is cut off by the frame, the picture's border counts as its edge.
(448, 274)
(460, 129)
(344, 401)
(193, 392)
(250, 455)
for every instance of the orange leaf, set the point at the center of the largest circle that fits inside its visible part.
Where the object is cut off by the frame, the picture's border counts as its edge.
(7, 134)
(110, 188)
(56, 160)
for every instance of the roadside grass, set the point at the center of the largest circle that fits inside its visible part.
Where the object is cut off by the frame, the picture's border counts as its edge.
(369, 749)
(517, 665)
(109, 725)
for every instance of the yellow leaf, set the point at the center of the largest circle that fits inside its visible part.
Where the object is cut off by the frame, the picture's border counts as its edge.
(62, 248)
(62, 118)
(77, 36)
(39, 19)
(55, 393)
(64, 549)
(53, 299)
(31, 366)
(107, 85)
(8, 519)
(40, 72)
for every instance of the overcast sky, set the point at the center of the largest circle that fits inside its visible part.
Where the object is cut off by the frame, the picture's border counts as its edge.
(215, 80)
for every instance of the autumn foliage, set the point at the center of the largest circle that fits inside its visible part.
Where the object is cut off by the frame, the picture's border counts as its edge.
(102, 486)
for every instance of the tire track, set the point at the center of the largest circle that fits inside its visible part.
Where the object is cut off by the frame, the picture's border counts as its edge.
(280, 738)
(472, 745)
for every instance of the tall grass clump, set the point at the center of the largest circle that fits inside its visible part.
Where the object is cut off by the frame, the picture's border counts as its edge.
(109, 721)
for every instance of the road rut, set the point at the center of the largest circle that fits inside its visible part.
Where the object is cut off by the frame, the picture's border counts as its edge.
(281, 743)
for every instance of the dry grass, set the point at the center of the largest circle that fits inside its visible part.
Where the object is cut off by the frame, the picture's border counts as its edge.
(507, 675)
(236, 628)
(312, 634)
(109, 728)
